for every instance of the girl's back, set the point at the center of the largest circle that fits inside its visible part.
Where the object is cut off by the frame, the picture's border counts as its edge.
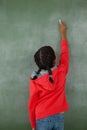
(47, 85)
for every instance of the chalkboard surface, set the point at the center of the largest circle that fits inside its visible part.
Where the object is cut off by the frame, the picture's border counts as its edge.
(25, 26)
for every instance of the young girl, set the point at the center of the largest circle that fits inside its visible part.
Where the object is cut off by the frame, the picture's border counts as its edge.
(47, 102)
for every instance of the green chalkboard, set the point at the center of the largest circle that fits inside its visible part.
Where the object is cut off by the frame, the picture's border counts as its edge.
(25, 26)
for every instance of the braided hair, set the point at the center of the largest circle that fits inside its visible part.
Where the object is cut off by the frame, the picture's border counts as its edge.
(44, 59)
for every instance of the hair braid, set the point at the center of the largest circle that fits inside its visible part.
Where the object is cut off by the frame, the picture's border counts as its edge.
(50, 74)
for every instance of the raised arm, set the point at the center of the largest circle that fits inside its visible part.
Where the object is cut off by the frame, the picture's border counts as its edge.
(64, 55)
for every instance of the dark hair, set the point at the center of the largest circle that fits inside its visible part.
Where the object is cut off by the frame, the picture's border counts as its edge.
(44, 59)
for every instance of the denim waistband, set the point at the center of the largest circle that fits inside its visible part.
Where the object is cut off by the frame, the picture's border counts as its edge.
(53, 117)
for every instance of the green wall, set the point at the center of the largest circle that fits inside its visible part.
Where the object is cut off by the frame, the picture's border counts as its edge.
(26, 25)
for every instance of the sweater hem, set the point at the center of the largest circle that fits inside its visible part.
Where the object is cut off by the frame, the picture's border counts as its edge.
(39, 116)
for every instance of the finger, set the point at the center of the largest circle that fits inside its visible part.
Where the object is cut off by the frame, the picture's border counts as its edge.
(63, 24)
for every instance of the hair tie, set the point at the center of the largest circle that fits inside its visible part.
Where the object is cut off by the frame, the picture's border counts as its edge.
(37, 75)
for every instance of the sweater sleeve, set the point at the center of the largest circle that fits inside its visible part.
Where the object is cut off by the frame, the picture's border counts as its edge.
(64, 56)
(32, 103)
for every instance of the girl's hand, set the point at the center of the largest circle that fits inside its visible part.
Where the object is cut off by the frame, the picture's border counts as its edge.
(63, 29)
(33, 128)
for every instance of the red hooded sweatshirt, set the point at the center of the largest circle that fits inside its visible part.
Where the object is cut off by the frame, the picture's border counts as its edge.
(48, 98)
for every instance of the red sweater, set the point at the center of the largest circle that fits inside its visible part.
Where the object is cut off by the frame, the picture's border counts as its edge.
(47, 99)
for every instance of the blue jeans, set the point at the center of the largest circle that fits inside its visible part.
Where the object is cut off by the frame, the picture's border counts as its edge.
(55, 122)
